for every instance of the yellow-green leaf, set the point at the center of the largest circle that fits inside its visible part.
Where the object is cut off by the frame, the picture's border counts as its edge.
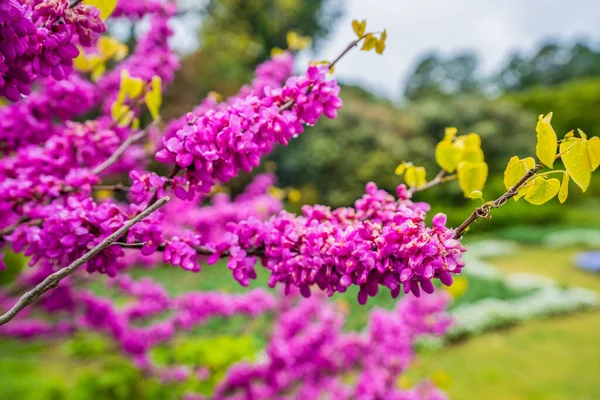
(153, 97)
(121, 114)
(98, 70)
(448, 155)
(112, 48)
(472, 154)
(106, 7)
(297, 42)
(542, 190)
(450, 133)
(576, 157)
(569, 134)
(275, 51)
(369, 43)
(472, 140)
(564, 188)
(523, 190)
(380, 45)
(594, 150)
(546, 141)
(400, 169)
(472, 176)
(516, 170)
(476, 194)
(359, 27)
(415, 176)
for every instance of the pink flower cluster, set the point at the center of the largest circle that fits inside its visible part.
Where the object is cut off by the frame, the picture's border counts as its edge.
(68, 231)
(270, 74)
(309, 354)
(31, 121)
(214, 147)
(42, 41)
(380, 242)
(38, 173)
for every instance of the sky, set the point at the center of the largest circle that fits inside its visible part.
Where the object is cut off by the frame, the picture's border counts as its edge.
(493, 29)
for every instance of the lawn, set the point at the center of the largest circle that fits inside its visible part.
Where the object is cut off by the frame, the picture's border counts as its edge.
(551, 359)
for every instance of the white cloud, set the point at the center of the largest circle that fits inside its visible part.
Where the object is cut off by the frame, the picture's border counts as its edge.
(492, 28)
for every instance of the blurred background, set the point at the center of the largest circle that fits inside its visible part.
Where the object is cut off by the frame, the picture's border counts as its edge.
(527, 306)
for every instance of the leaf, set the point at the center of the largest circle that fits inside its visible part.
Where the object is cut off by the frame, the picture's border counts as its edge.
(297, 42)
(81, 62)
(153, 97)
(121, 114)
(448, 155)
(516, 170)
(415, 176)
(542, 190)
(564, 188)
(450, 133)
(472, 176)
(400, 169)
(547, 142)
(576, 158)
(111, 48)
(98, 70)
(472, 154)
(472, 140)
(369, 43)
(476, 194)
(359, 27)
(106, 7)
(380, 45)
(275, 51)
(594, 152)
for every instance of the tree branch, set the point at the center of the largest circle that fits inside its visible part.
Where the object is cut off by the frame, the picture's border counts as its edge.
(53, 280)
(74, 3)
(119, 152)
(485, 210)
(201, 250)
(439, 178)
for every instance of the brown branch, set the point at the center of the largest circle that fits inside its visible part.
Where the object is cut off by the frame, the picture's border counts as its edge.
(485, 210)
(201, 250)
(118, 187)
(346, 50)
(122, 148)
(174, 171)
(53, 280)
(435, 181)
(75, 3)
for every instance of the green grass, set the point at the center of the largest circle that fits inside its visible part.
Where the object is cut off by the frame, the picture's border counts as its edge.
(551, 360)
(557, 264)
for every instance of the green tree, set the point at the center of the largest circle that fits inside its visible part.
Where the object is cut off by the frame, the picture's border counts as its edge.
(236, 35)
(551, 65)
(438, 76)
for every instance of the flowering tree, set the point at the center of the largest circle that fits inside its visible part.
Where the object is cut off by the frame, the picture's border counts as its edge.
(58, 69)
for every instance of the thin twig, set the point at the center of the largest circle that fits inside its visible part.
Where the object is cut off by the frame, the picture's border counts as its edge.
(435, 181)
(53, 280)
(485, 210)
(122, 148)
(75, 3)
(201, 250)
(346, 50)
(118, 187)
